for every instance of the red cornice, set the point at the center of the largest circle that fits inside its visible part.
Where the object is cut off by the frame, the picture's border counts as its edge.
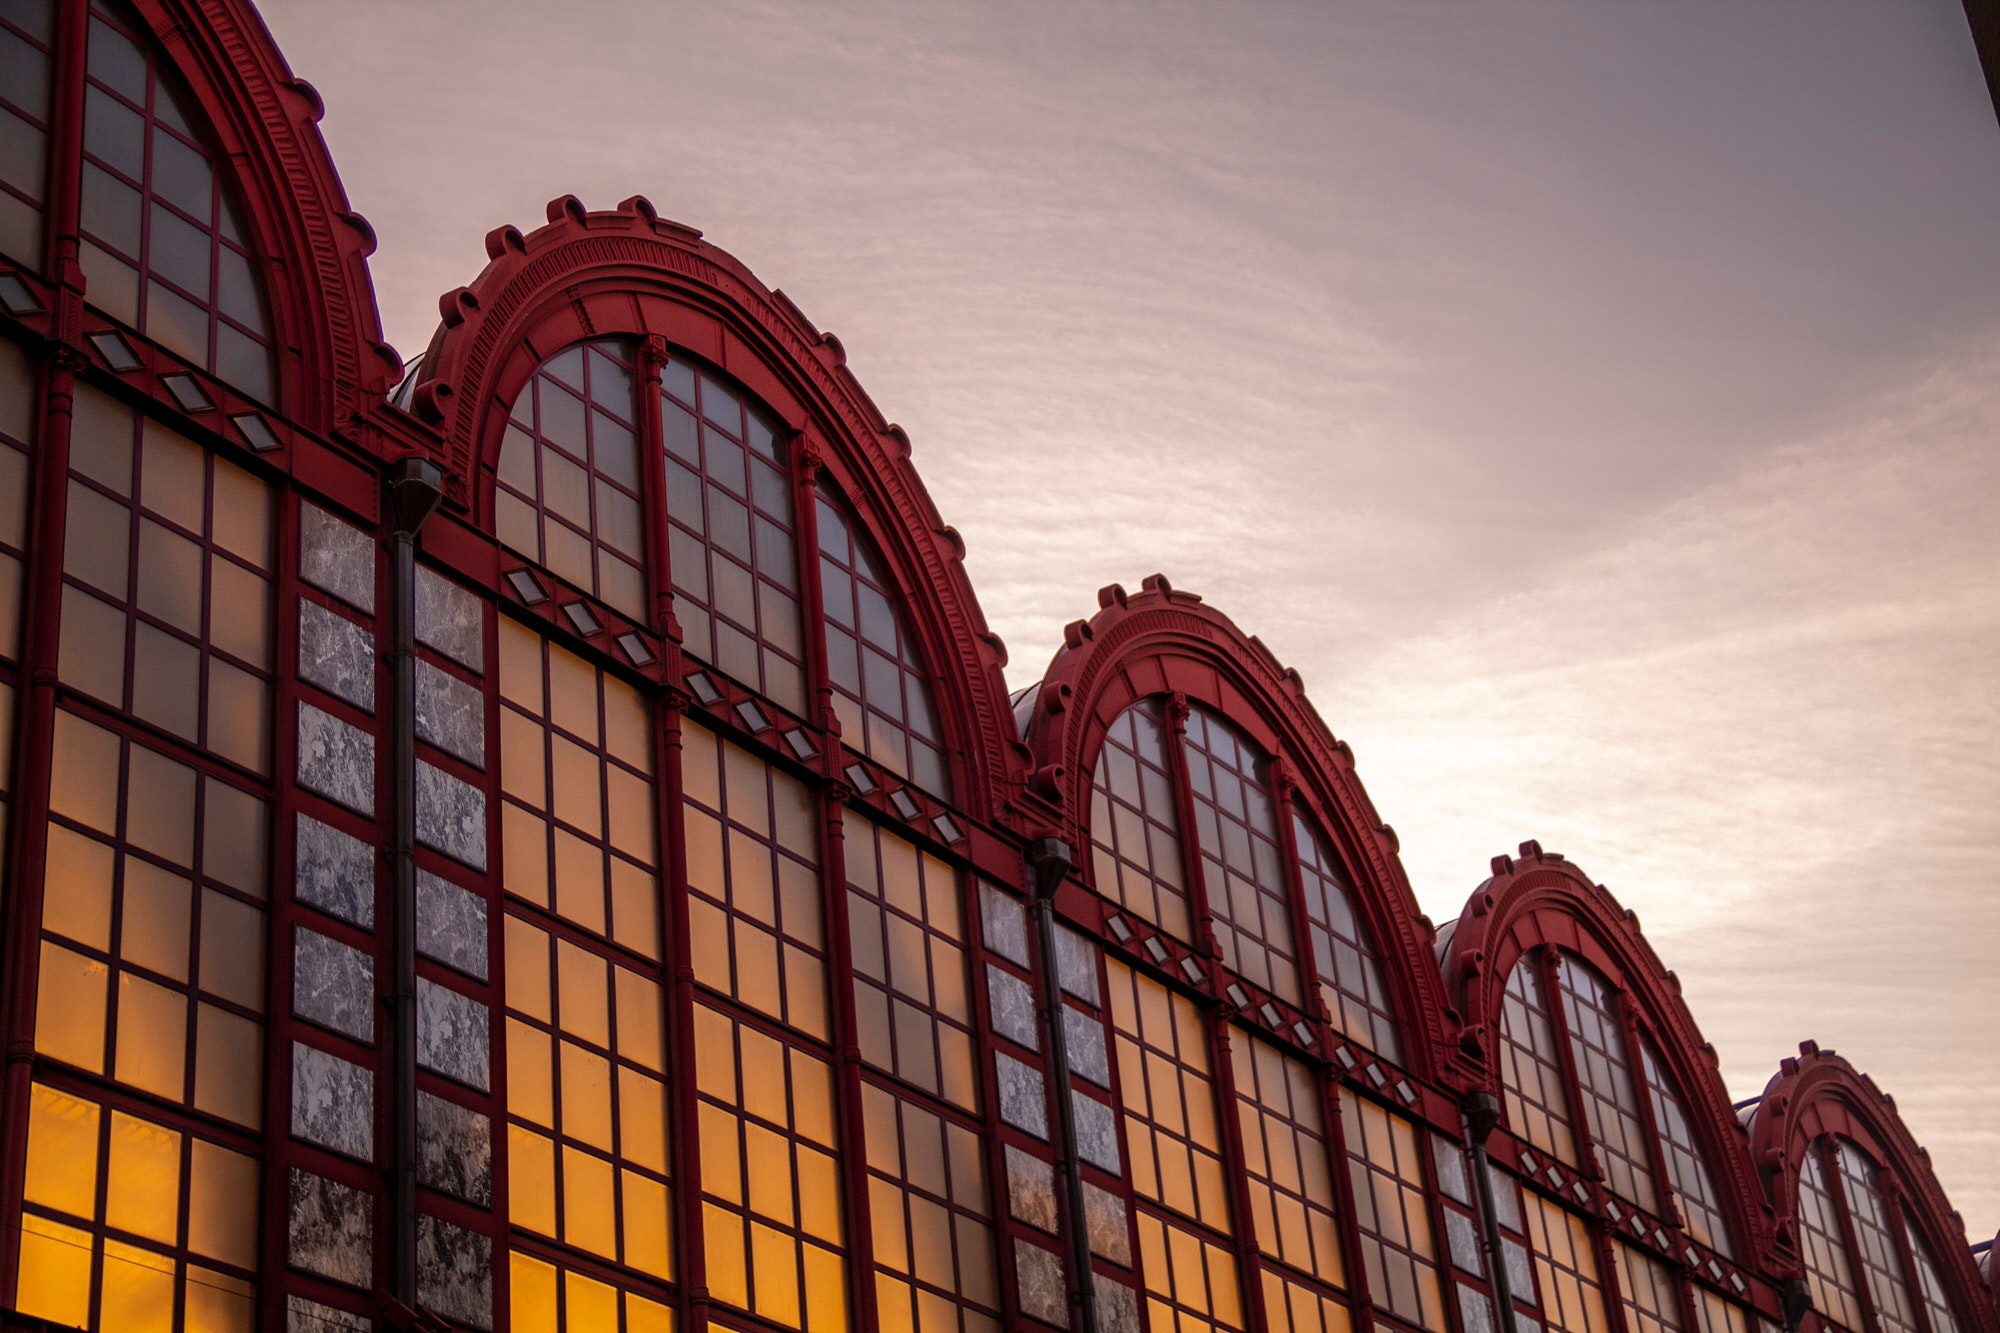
(629, 272)
(1159, 641)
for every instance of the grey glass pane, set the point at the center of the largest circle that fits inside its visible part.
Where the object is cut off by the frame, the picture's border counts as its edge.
(335, 872)
(1076, 965)
(114, 59)
(114, 134)
(451, 714)
(1039, 1273)
(455, 1272)
(1012, 1005)
(333, 1102)
(454, 1149)
(236, 288)
(451, 816)
(448, 619)
(452, 1034)
(1083, 1038)
(336, 759)
(451, 925)
(337, 655)
(336, 557)
(1022, 1101)
(1003, 920)
(331, 1229)
(180, 252)
(111, 211)
(183, 177)
(1031, 1190)
(1096, 1133)
(333, 985)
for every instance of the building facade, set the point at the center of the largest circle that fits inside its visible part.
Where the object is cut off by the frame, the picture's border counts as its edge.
(543, 842)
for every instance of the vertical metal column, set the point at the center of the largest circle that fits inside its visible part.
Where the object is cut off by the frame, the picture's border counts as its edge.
(1050, 860)
(1480, 1115)
(415, 487)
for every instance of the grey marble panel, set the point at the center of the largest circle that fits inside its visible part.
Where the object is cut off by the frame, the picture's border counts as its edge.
(1463, 1243)
(334, 872)
(1106, 1225)
(454, 1149)
(331, 1229)
(1038, 1274)
(1117, 1305)
(1083, 1042)
(448, 619)
(1096, 1133)
(1031, 1189)
(333, 1102)
(1076, 965)
(336, 759)
(451, 925)
(452, 1034)
(451, 714)
(1004, 922)
(1475, 1309)
(455, 1272)
(304, 1316)
(336, 557)
(451, 816)
(1022, 1101)
(1013, 1007)
(336, 654)
(333, 985)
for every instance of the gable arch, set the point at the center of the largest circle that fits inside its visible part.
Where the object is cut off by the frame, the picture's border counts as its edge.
(1818, 1096)
(1541, 899)
(310, 246)
(627, 273)
(1162, 642)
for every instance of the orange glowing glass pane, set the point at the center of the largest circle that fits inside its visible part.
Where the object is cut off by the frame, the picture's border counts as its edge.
(642, 1127)
(232, 950)
(218, 1303)
(826, 1291)
(586, 1096)
(774, 1264)
(721, 1155)
(523, 772)
(728, 1271)
(528, 969)
(521, 665)
(524, 852)
(581, 984)
(62, 1152)
(222, 1205)
(644, 1206)
(574, 777)
(76, 898)
(154, 918)
(143, 1192)
(532, 1293)
(531, 1180)
(55, 1272)
(580, 881)
(229, 1066)
(530, 1087)
(69, 1007)
(590, 1214)
(589, 1303)
(83, 783)
(639, 1020)
(714, 1054)
(152, 1037)
(138, 1292)
(644, 1316)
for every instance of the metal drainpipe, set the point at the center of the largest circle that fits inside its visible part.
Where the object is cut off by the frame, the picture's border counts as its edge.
(1050, 860)
(1795, 1297)
(415, 487)
(1480, 1115)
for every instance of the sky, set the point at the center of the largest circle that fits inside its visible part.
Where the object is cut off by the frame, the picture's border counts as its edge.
(1595, 400)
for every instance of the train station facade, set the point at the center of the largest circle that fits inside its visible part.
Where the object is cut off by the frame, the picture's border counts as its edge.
(542, 842)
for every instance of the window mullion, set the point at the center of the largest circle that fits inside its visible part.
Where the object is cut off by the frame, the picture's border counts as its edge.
(1890, 1190)
(804, 462)
(653, 482)
(1283, 784)
(1361, 1301)
(1828, 1150)
(1245, 1230)
(849, 1127)
(691, 1258)
(1201, 921)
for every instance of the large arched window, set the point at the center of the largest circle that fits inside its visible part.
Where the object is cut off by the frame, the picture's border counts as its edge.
(1350, 975)
(27, 41)
(164, 248)
(1604, 1076)
(1243, 868)
(1135, 824)
(1530, 1068)
(1687, 1166)
(1850, 1223)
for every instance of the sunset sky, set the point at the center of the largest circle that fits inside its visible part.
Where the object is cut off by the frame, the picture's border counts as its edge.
(1596, 402)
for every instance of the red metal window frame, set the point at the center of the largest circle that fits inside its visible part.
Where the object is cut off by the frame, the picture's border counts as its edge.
(1243, 861)
(38, 123)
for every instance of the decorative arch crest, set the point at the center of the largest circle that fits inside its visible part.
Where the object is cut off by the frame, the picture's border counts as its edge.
(1163, 641)
(628, 272)
(1818, 1093)
(332, 365)
(1540, 898)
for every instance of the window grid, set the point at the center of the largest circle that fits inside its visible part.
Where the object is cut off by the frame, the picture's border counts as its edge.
(568, 492)
(1687, 1166)
(17, 424)
(752, 838)
(153, 972)
(771, 1213)
(131, 1224)
(1287, 1166)
(1350, 973)
(27, 43)
(579, 813)
(1880, 1261)
(1243, 865)
(907, 934)
(1824, 1252)
(546, 1298)
(1462, 1231)
(1604, 1076)
(1172, 1134)
(164, 250)
(732, 536)
(1385, 1167)
(881, 692)
(1572, 1297)
(1191, 1282)
(1530, 1074)
(587, 1138)
(1135, 822)
(1647, 1290)
(929, 1205)
(167, 600)
(1713, 1314)
(1930, 1283)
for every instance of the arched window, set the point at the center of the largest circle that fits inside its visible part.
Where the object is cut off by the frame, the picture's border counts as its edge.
(1134, 824)
(731, 535)
(164, 249)
(1603, 1074)
(1873, 1231)
(1350, 976)
(1687, 1166)
(1530, 1068)
(27, 43)
(1825, 1254)
(569, 484)
(881, 692)
(1236, 828)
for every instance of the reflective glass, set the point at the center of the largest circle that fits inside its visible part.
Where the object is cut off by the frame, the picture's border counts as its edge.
(1385, 1170)
(1350, 973)
(1566, 1267)
(1530, 1072)
(1236, 829)
(1134, 824)
(1881, 1261)
(1610, 1103)
(1285, 1159)
(1825, 1253)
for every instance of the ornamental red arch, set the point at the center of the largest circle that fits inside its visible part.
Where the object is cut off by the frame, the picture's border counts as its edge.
(313, 249)
(1163, 642)
(1819, 1095)
(628, 273)
(1542, 899)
